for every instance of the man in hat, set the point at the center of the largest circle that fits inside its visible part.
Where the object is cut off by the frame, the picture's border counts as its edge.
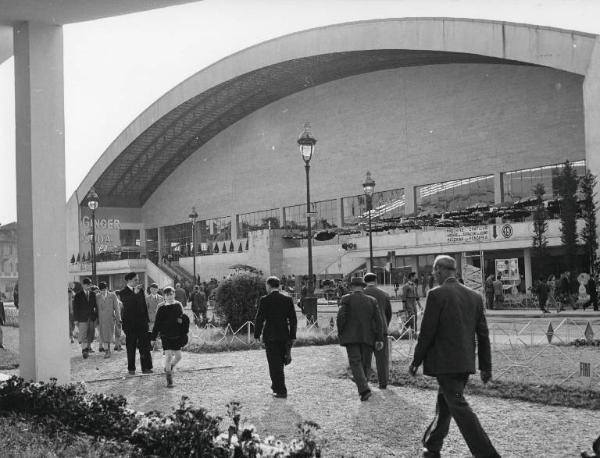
(135, 324)
(385, 310)
(84, 314)
(276, 321)
(199, 306)
(360, 328)
(453, 322)
(410, 297)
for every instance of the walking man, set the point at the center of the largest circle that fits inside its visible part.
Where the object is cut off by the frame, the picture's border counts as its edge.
(180, 295)
(85, 314)
(199, 306)
(360, 328)
(454, 318)
(276, 321)
(108, 314)
(385, 310)
(135, 324)
(410, 296)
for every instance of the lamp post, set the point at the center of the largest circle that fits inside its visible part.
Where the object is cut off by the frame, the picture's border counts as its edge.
(193, 218)
(369, 187)
(306, 144)
(92, 202)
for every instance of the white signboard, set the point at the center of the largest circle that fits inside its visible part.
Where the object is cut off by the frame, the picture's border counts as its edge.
(508, 269)
(467, 234)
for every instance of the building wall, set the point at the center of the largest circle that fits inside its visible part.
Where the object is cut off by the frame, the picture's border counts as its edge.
(408, 126)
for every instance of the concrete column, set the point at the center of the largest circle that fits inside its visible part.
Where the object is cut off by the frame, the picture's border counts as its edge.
(143, 240)
(160, 241)
(340, 212)
(498, 188)
(411, 200)
(527, 262)
(235, 221)
(41, 202)
(591, 106)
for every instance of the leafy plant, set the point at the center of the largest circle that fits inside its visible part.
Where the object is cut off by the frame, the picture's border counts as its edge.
(589, 234)
(236, 298)
(567, 189)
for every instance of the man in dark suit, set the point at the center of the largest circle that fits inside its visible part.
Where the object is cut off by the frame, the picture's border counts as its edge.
(135, 321)
(360, 328)
(85, 314)
(385, 309)
(454, 317)
(276, 321)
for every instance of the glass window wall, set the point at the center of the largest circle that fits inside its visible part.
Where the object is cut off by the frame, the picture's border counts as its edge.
(258, 220)
(386, 204)
(519, 184)
(295, 216)
(455, 194)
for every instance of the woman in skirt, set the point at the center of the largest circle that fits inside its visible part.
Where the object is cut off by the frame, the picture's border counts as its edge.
(172, 325)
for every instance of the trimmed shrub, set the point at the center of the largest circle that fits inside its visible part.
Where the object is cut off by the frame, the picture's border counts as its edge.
(236, 298)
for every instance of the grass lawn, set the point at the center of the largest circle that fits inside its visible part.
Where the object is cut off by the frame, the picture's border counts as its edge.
(27, 437)
(548, 374)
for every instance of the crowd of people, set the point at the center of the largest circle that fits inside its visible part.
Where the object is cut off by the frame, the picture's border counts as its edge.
(142, 316)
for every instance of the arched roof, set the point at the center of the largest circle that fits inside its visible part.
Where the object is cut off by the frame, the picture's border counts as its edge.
(192, 113)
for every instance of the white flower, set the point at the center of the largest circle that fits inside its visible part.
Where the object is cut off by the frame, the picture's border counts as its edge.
(270, 440)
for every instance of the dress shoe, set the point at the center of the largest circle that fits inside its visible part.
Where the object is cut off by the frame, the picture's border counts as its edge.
(365, 395)
(101, 349)
(280, 395)
(147, 371)
(430, 454)
(131, 372)
(85, 354)
(118, 349)
(383, 387)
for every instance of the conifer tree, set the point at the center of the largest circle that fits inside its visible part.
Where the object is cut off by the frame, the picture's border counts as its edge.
(567, 189)
(589, 234)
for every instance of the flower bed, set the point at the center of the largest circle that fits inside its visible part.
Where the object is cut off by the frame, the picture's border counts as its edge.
(187, 431)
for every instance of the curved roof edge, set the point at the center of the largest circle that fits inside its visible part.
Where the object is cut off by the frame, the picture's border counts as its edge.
(561, 49)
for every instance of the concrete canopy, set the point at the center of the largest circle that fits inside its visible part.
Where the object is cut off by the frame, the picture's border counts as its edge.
(192, 113)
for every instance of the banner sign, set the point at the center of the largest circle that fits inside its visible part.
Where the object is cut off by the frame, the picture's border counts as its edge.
(467, 234)
(508, 268)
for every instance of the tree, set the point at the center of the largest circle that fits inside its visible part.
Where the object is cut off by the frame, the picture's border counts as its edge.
(240, 248)
(231, 247)
(224, 248)
(540, 226)
(72, 259)
(247, 240)
(216, 249)
(78, 257)
(236, 298)
(589, 234)
(567, 189)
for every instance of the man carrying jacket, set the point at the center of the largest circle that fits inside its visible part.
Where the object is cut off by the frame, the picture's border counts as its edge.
(276, 321)
(454, 320)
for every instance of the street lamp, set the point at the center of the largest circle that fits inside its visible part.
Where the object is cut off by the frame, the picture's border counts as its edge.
(193, 218)
(306, 144)
(369, 187)
(92, 202)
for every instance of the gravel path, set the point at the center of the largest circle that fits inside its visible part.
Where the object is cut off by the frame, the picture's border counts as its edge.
(390, 424)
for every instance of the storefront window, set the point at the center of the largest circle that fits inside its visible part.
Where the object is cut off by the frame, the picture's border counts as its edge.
(152, 245)
(519, 184)
(177, 240)
(455, 194)
(295, 216)
(386, 204)
(258, 220)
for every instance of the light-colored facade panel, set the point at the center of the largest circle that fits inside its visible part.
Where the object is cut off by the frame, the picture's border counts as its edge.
(410, 126)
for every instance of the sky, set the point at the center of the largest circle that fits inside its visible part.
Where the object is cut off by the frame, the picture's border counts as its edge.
(115, 68)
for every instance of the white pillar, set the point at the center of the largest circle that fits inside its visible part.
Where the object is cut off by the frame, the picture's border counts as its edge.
(411, 200)
(591, 105)
(41, 202)
(527, 262)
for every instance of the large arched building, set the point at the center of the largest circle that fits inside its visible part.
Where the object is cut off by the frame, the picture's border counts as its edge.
(446, 114)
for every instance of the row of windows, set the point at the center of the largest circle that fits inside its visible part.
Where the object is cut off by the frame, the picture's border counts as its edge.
(385, 205)
(8, 268)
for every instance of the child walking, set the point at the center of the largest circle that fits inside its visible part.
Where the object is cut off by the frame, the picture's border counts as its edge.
(173, 326)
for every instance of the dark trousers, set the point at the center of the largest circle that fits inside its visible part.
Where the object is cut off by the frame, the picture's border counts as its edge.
(452, 404)
(275, 357)
(359, 357)
(141, 341)
(382, 361)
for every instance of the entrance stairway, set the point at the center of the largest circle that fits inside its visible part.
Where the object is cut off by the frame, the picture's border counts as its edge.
(181, 273)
